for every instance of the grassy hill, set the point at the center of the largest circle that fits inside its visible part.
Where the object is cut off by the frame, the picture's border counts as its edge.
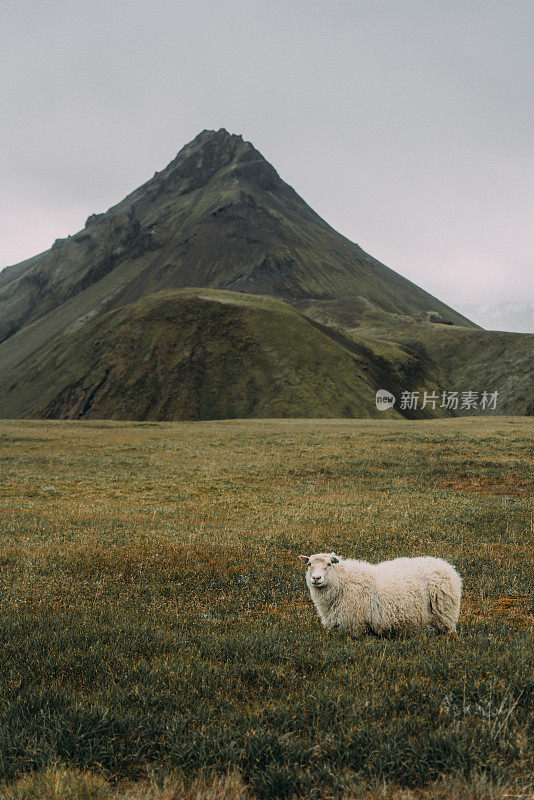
(480, 361)
(193, 354)
(433, 357)
(159, 641)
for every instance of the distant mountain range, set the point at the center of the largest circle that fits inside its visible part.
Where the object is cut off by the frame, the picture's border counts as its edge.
(515, 315)
(215, 291)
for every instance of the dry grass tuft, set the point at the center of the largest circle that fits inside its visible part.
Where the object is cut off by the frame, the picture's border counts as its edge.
(219, 787)
(57, 783)
(478, 787)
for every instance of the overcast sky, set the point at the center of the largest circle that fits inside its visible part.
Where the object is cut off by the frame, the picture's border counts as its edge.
(408, 125)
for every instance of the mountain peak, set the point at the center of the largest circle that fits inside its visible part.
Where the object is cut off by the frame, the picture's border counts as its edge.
(211, 135)
(211, 152)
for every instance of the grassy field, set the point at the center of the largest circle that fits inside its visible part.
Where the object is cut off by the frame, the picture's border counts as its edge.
(158, 640)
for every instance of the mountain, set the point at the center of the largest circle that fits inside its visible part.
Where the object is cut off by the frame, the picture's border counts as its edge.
(219, 218)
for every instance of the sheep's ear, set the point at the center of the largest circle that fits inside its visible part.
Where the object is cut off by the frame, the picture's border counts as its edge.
(305, 559)
(335, 560)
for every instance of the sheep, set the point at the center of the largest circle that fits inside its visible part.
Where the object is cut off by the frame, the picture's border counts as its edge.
(393, 597)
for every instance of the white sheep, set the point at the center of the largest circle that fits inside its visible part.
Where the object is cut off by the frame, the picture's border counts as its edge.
(399, 596)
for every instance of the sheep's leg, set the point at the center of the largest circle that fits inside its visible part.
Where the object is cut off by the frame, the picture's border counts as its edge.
(444, 605)
(451, 633)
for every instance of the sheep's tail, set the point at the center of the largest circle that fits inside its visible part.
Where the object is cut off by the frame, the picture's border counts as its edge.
(445, 592)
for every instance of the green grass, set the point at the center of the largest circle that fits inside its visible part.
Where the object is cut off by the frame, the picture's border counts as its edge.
(155, 619)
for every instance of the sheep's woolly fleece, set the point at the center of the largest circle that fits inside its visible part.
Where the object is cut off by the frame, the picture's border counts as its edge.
(400, 596)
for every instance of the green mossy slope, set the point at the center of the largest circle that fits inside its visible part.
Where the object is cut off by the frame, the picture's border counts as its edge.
(194, 354)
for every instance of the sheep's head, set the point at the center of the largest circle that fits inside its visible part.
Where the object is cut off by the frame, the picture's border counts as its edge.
(320, 572)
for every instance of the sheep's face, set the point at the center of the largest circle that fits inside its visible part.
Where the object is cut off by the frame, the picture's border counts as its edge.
(320, 569)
